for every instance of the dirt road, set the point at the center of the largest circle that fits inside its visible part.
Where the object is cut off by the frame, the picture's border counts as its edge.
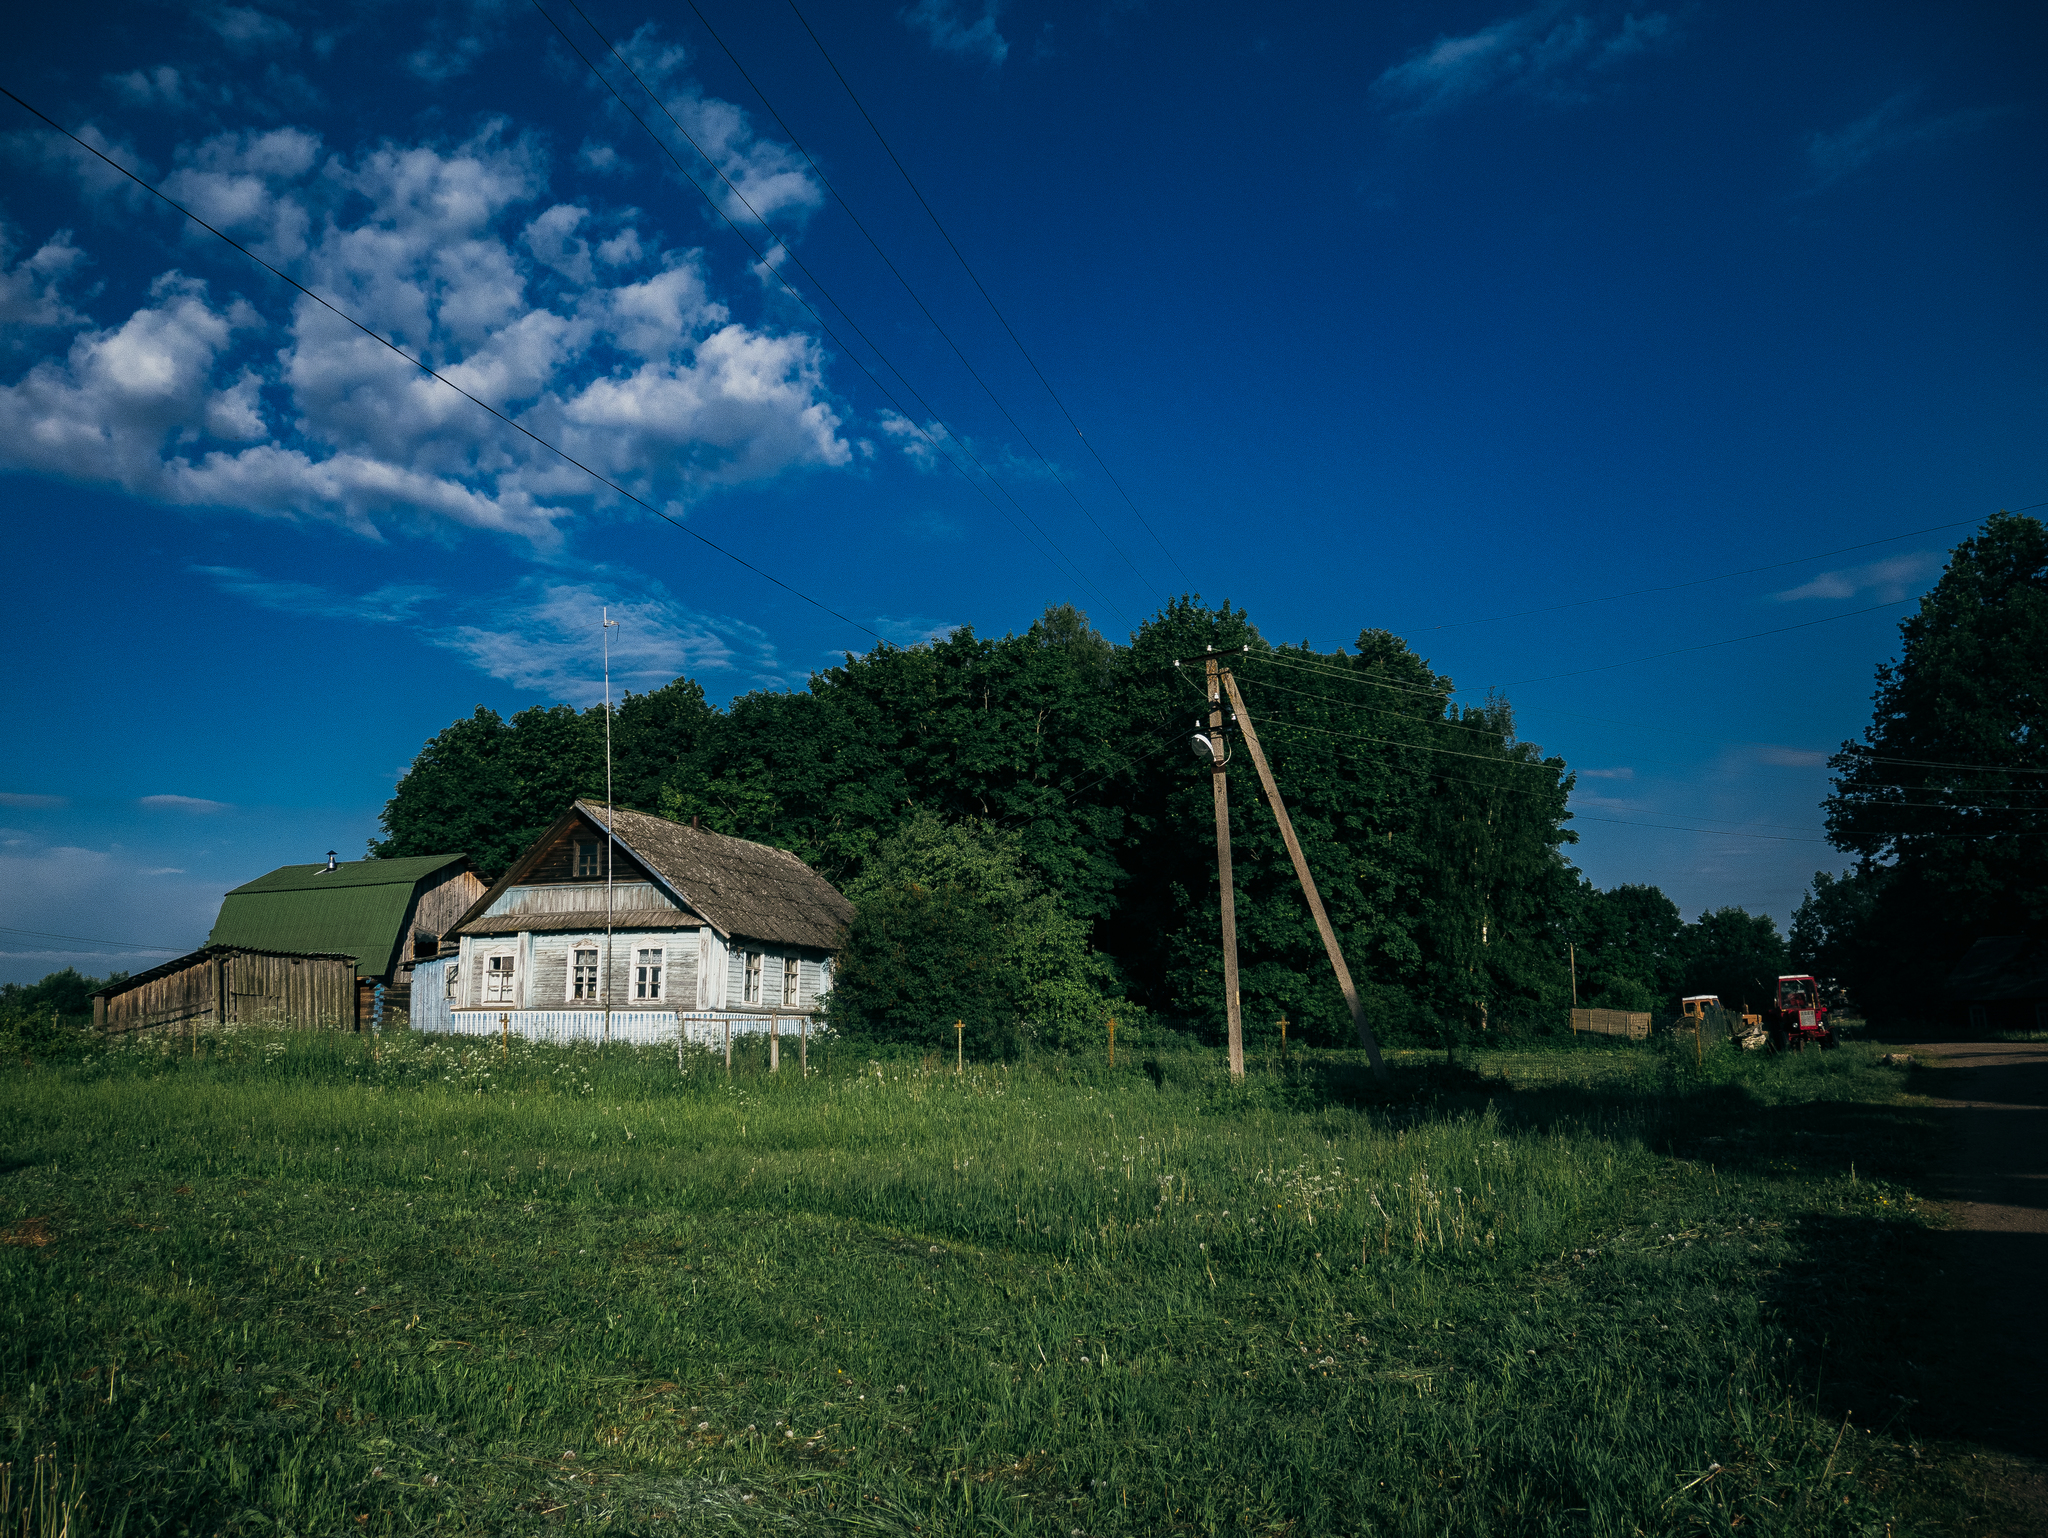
(1994, 1095)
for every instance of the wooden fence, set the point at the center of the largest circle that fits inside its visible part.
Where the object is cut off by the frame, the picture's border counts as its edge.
(1611, 1022)
(238, 987)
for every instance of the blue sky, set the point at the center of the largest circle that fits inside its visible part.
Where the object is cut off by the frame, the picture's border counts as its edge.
(1419, 316)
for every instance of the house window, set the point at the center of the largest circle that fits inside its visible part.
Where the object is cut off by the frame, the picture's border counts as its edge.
(583, 975)
(647, 974)
(752, 995)
(454, 981)
(589, 859)
(498, 979)
(791, 976)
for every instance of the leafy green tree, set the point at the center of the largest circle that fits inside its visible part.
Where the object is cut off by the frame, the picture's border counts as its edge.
(1736, 955)
(68, 992)
(1945, 801)
(951, 923)
(1630, 944)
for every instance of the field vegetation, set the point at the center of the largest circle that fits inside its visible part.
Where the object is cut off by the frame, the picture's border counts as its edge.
(317, 1284)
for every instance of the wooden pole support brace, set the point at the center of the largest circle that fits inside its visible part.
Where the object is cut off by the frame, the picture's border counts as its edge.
(1308, 882)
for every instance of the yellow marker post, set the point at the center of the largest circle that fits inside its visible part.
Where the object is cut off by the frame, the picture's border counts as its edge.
(1283, 1035)
(1112, 1041)
(959, 1046)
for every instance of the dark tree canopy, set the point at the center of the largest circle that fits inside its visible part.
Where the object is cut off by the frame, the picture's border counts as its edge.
(1945, 801)
(1437, 836)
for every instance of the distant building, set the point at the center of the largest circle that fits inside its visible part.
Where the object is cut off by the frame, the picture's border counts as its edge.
(387, 914)
(231, 985)
(708, 933)
(2001, 985)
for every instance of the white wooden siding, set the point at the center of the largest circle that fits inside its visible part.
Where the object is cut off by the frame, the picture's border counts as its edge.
(581, 897)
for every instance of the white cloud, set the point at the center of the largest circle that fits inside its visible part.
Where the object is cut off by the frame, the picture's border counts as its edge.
(181, 804)
(910, 629)
(1892, 126)
(546, 638)
(1605, 774)
(771, 177)
(390, 604)
(941, 23)
(163, 870)
(541, 634)
(1554, 52)
(1790, 758)
(630, 366)
(159, 87)
(94, 893)
(1890, 580)
(245, 28)
(1604, 804)
(30, 802)
(920, 445)
(29, 289)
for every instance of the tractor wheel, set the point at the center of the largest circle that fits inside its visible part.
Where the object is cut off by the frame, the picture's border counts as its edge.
(1828, 1042)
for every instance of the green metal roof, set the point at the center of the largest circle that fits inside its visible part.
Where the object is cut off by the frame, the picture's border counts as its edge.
(357, 909)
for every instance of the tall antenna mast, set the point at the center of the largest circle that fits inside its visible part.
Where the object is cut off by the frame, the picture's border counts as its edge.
(604, 986)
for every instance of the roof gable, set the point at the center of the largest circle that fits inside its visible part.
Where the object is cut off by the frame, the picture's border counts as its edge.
(742, 889)
(752, 891)
(359, 909)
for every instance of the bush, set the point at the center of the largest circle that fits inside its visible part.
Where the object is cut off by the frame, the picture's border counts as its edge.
(949, 925)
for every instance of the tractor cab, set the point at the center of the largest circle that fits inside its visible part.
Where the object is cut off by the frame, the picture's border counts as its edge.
(1797, 1015)
(1695, 1006)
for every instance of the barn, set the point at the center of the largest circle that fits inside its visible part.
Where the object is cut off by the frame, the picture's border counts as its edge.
(707, 934)
(230, 985)
(388, 914)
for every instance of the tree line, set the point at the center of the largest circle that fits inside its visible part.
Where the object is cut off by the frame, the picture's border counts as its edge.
(1022, 825)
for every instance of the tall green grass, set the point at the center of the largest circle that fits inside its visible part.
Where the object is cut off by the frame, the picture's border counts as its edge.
(313, 1284)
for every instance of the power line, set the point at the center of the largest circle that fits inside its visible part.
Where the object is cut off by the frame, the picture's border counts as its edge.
(127, 945)
(915, 298)
(773, 270)
(1747, 571)
(435, 374)
(994, 309)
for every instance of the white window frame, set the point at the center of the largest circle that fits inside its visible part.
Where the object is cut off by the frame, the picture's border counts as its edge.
(455, 981)
(751, 972)
(502, 969)
(640, 981)
(572, 978)
(792, 982)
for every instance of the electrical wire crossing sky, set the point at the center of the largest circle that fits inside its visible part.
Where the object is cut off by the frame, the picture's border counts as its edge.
(1638, 368)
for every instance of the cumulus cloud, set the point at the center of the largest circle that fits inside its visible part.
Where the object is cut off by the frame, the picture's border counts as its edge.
(910, 629)
(1834, 154)
(181, 804)
(1556, 53)
(758, 177)
(944, 24)
(569, 321)
(1890, 580)
(31, 297)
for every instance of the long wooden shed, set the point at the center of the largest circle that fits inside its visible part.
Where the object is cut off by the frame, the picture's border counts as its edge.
(232, 985)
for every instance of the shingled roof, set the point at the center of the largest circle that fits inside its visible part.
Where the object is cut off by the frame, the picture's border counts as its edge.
(741, 888)
(744, 888)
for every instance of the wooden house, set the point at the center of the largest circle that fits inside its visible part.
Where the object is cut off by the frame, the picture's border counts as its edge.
(707, 934)
(388, 914)
(2001, 985)
(228, 985)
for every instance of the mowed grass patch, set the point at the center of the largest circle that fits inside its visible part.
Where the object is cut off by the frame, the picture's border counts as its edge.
(318, 1284)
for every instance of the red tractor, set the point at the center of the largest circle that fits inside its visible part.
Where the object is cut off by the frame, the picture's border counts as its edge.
(1797, 1016)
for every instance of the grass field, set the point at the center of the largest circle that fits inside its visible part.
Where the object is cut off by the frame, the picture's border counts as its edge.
(315, 1284)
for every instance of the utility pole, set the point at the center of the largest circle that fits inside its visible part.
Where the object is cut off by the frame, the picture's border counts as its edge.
(1219, 784)
(1335, 952)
